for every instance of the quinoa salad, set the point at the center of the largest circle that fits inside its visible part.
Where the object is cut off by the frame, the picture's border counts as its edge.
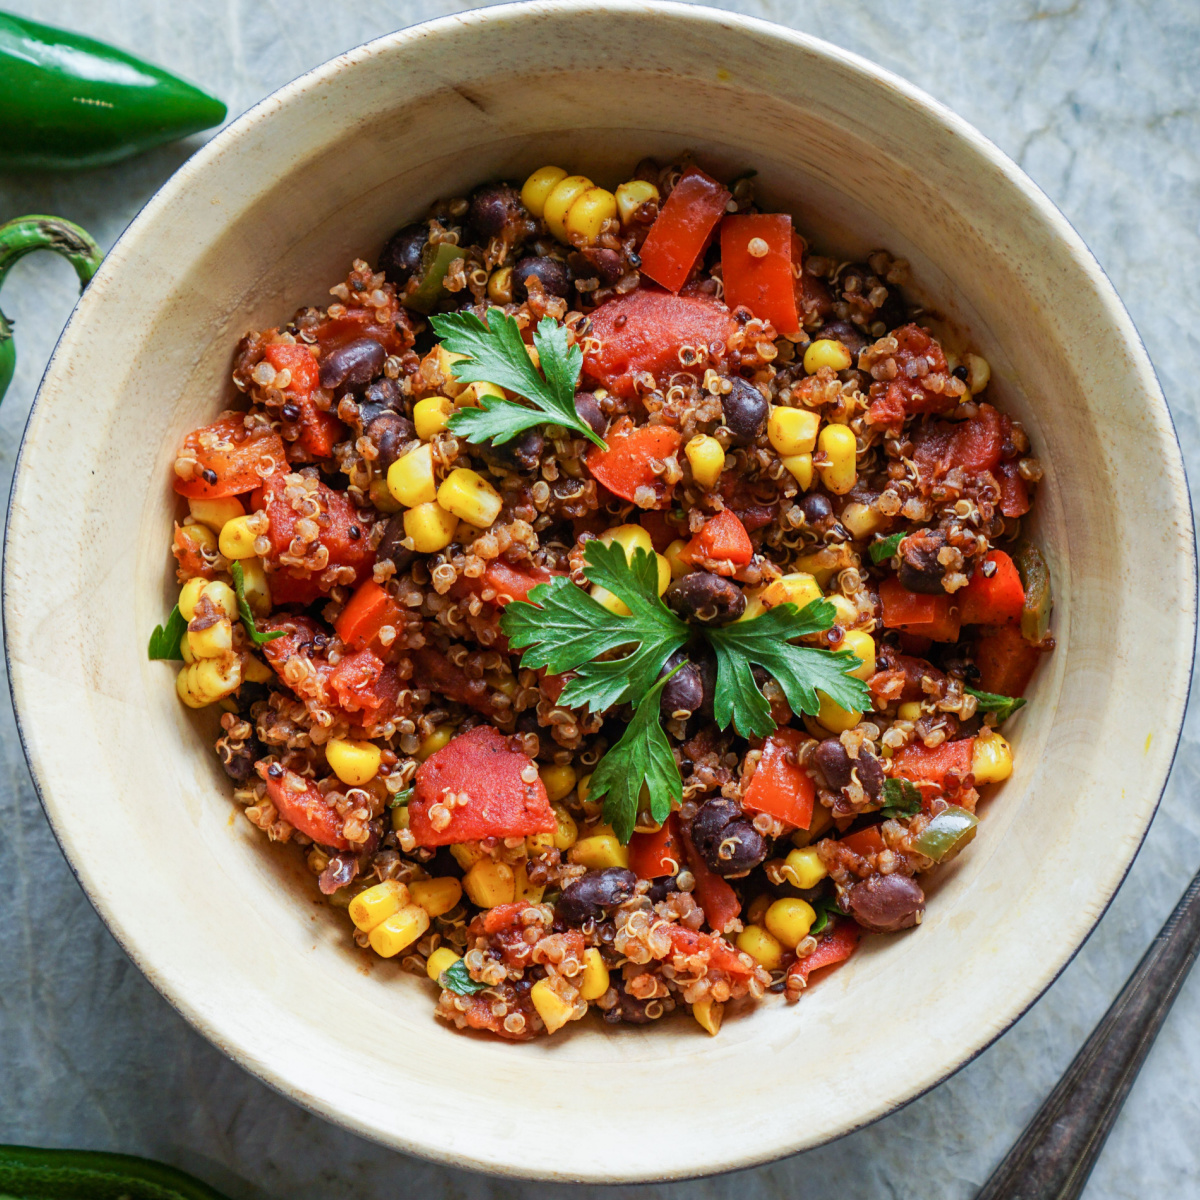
(615, 600)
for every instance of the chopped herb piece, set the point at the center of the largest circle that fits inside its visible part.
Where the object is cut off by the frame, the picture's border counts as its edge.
(239, 586)
(887, 547)
(901, 798)
(400, 798)
(166, 640)
(825, 907)
(1002, 706)
(458, 979)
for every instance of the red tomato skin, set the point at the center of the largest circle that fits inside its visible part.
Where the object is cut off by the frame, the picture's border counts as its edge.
(511, 582)
(835, 946)
(780, 785)
(765, 285)
(653, 855)
(721, 954)
(904, 396)
(919, 763)
(480, 763)
(1014, 494)
(306, 811)
(368, 611)
(625, 465)
(683, 229)
(236, 468)
(319, 428)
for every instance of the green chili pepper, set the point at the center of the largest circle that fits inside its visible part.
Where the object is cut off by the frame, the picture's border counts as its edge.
(946, 834)
(90, 1175)
(24, 236)
(1035, 578)
(429, 290)
(68, 101)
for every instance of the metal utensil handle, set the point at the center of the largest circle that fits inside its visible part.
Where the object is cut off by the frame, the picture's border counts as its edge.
(1055, 1155)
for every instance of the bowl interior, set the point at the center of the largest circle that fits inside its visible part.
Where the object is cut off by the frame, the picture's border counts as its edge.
(263, 221)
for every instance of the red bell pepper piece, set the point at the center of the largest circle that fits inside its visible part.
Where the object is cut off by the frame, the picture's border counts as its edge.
(721, 954)
(1014, 495)
(305, 810)
(228, 458)
(682, 230)
(836, 945)
(865, 842)
(722, 540)
(995, 600)
(625, 466)
(922, 763)
(780, 785)
(765, 284)
(368, 611)
(715, 896)
(653, 855)
(934, 617)
(512, 582)
(480, 764)
(1006, 661)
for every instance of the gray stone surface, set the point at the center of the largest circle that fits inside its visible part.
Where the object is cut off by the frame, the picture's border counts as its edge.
(1098, 101)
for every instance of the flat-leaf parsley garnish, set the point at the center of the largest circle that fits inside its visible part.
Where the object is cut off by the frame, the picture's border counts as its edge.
(990, 702)
(887, 547)
(165, 641)
(457, 978)
(239, 586)
(496, 354)
(901, 798)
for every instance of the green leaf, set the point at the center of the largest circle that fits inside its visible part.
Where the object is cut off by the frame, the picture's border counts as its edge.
(239, 586)
(641, 758)
(458, 979)
(166, 640)
(565, 629)
(400, 799)
(990, 702)
(496, 354)
(825, 907)
(901, 798)
(887, 547)
(800, 671)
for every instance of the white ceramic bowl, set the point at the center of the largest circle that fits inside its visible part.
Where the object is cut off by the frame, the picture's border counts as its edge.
(262, 220)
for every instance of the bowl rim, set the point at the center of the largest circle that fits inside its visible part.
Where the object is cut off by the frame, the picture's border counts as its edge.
(869, 73)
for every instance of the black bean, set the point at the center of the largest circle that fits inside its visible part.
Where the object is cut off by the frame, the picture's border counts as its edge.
(849, 335)
(816, 508)
(400, 258)
(496, 208)
(684, 694)
(886, 903)
(341, 870)
(587, 898)
(920, 570)
(355, 363)
(712, 818)
(706, 598)
(745, 410)
(740, 849)
(239, 763)
(390, 432)
(628, 1009)
(524, 452)
(588, 409)
(661, 888)
(598, 262)
(834, 763)
(291, 412)
(870, 773)
(551, 273)
(383, 395)
(390, 547)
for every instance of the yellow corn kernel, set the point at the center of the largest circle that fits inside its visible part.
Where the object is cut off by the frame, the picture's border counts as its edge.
(381, 497)
(761, 946)
(604, 597)
(593, 983)
(790, 919)
(707, 459)
(979, 373)
(708, 1014)
(353, 762)
(534, 357)
(814, 566)
(822, 820)
(910, 710)
(664, 573)
(800, 467)
(470, 497)
(539, 186)
(598, 851)
(564, 193)
(256, 587)
(373, 906)
(400, 817)
(399, 931)
(862, 644)
(834, 717)
(558, 781)
(199, 538)
(798, 588)
(489, 883)
(470, 395)
(209, 680)
(436, 896)
(793, 430)
(214, 513)
(222, 596)
(825, 352)
(499, 287)
(566, 832)
(862, 520)
(551, 1007)
(430, 527)
(583, 787)
(467, 854)
(586, 217)
(185, 651)
(991, 758)
(629, 538)
(237, 538)
(411, 478)
(434, 742)
(838, 472)
(439, 962)
(632, 195)
(757, 909)
(213, 642)
(430, 416)
(443, 361)
(254, 670)
(536, 844)
(804, 868)
(523, 889)
(676, 564)
(189, 596)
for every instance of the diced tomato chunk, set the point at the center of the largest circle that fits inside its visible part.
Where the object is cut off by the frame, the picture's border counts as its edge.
(368, 611)
(511, 582)
(934, 617)
(905, 395)
(715, 896)
(481, 765)
(780, 785)
(319, 428)
(624, 467)
(228, 458)
(432, 669)
(299, 360)
(765, 282)
(653, 855)
(683, 228)
(187, 550)
(721, 954)
(394, 333)
(973, 445)
(835, 945)
(919, 762)
(1014, 495)
(305, 810)
(865, 842)
(1006, 661)
(722, 540)
(997, 599)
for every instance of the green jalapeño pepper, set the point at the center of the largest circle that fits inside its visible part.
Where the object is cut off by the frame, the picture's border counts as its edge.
(68, 101)
(91, 1175)
(946, 834)
(1035, 577)
(436, 263)
(24, 236)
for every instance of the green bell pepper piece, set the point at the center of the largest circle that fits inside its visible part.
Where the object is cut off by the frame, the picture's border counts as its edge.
(24, 236)
(30, 1174)
(946, 834)
(1039, 601)
(67, 101)
(429, 291)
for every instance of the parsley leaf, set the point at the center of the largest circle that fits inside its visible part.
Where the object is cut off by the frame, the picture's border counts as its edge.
(401, 798)
(799, 670)
(887, 547)
(566, 629)
(826, 907)
(458, 979)
(165, 640)
(239, 586)
(990, 702)
(496, 354)
(642, 758)
(901, 798)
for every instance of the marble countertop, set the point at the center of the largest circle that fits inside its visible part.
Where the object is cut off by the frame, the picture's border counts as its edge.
(1098, 101)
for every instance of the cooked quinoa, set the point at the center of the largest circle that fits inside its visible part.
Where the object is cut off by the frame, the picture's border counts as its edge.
(763, 426)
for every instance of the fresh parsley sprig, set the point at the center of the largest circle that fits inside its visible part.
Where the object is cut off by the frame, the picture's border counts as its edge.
(496, 354)
(456, 978)
(826, 907)
(990, 702)
(239, 586)
(887, 547)
(166, 640)
(901, 798)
